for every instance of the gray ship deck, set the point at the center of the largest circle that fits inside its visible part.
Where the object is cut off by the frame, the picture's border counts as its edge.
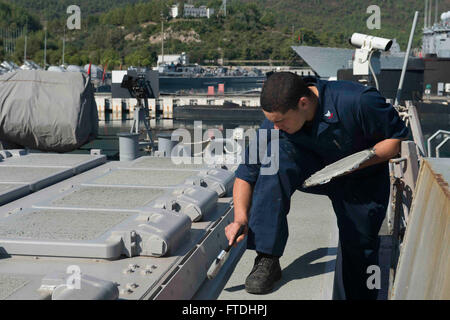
(85, 220)
(45, 232)
(112, 224)
(309, 259)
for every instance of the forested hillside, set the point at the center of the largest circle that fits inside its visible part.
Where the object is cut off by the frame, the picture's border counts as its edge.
(51, 9)
(330, 19)
(120, 32)
(13, 17)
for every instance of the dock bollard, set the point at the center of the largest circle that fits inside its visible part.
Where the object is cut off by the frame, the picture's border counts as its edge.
(128, 146)
(165, 144)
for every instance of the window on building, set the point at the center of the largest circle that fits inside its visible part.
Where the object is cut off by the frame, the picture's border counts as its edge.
(211, 102)
(193, 102)
(175, 102)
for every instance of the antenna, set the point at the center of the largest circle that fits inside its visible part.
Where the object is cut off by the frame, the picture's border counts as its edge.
(45, 40)
(436, 13)
(25, 47)
(64, 44)
(162, 38)
(13, 42)
(405, 62)
(223, 8)
(429, 13)
(45, 46)
(7, 41)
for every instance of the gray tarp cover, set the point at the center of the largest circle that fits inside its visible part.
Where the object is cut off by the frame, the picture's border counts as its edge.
(48, 111)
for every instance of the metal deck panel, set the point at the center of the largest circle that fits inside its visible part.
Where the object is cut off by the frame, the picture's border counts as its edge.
(39, 170)
(159, 177)
(90, 197)
(57, 189)
(137, 277)
(59, 225)
(32, 175)
(163, 163)
(77, 162)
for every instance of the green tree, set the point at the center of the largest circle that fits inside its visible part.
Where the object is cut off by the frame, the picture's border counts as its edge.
(111, 58)
(142, 57)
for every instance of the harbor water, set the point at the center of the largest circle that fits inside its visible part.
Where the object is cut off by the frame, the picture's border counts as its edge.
(433, 117)
(108, 140)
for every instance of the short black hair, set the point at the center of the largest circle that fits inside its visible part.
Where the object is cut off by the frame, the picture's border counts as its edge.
(281, 92)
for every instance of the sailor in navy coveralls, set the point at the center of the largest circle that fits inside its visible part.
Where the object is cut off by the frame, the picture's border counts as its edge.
(319, 123)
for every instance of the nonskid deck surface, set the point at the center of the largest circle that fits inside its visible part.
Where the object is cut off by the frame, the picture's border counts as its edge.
(309, 259)
(87, 222)
(123, 224)
(23, 172)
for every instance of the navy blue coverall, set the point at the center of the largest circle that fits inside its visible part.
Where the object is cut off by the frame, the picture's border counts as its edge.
(349, 118)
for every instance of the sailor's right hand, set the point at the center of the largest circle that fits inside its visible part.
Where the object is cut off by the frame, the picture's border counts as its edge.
(232, 229)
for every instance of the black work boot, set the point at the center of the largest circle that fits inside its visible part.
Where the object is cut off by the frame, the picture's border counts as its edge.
(266, 271)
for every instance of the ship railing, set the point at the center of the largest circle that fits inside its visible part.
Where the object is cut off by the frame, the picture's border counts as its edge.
(403, 171)
(438, 135)
(404, 175)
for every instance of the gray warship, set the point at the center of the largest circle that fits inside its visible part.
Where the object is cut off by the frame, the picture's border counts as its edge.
(79, 227)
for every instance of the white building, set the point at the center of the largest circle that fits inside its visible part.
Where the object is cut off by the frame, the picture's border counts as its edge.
(200, 12)
(182, 59)
(174, 11)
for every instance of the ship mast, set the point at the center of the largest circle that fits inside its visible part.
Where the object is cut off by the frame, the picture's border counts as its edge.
(162, 38)
(45, 46)
(45, 40)
(436, 13)
(25, 47)
(223, 8)
(64, 44)
(429, 13)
